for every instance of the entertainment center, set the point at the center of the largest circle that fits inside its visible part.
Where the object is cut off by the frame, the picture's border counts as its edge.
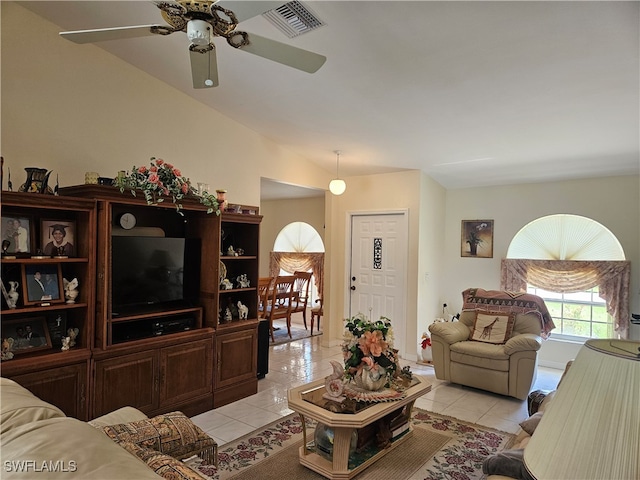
(156, 330)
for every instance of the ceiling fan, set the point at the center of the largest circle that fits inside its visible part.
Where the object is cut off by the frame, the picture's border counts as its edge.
(202, 21)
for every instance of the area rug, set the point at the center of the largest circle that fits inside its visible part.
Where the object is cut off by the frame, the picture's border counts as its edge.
(440, 448)
(281, 336)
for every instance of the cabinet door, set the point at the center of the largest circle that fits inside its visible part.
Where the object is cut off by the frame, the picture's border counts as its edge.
(64, 387)
(126, 380)
(186, 371)
(236, 357)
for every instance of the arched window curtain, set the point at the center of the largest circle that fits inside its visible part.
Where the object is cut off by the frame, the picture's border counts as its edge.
(292, 261)
(567, 276)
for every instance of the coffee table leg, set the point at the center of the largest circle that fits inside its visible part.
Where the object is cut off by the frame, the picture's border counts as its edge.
(341, 447)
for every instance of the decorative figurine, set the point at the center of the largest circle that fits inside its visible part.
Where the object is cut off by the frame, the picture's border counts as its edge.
(73, 334)
(243, 281)
(231, 252)
(227, 315)
(5, 249)
(226, 284)
(70, 290)
(7, 345)
(243, 311)
(65, 343)
(12, 294)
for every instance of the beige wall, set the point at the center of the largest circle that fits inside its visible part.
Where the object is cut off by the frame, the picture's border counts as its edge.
(75, 108)
(612, 201)
(280, 213)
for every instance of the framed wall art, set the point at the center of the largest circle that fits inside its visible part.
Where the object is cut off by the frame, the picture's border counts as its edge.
(17, 231)
(26, 335)
(42, 283)
(58, 238)
(477, 239)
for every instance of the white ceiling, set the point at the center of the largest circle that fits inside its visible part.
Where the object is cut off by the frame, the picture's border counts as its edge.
(472, 93)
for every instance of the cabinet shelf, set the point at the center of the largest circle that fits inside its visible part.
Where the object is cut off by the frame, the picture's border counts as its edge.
(240, 257)
(43, 310)
(236, 290)
(36, 261)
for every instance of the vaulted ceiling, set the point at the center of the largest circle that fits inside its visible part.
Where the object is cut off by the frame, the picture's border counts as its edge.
(472, 93)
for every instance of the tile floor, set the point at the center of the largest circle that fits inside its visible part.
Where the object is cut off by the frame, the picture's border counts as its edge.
(305, 360)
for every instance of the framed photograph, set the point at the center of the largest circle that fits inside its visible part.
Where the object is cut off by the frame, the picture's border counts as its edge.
(42, 283)
(26, 335)
(17, 231)
(477, 239)
(57, 326)
(58, 238)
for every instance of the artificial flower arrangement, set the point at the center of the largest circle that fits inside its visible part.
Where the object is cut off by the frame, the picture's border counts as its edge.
(368, 346)
(161, 179)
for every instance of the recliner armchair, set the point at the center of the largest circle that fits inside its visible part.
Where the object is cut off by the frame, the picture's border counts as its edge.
(505, 364)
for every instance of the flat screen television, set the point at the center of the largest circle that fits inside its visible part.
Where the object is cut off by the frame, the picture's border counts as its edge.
(152, 273)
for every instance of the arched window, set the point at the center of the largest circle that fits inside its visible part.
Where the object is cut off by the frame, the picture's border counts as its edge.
(578, 266)
(299, 247)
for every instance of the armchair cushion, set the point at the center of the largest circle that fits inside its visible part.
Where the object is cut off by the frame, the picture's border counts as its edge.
(451, 332)
(523, 343)
(162, 464)
(492, 327)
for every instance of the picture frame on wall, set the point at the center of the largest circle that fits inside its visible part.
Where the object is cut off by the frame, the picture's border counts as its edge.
(26, 335)
(42, 283)
(477, 239)
(17, 230)
(58, 238)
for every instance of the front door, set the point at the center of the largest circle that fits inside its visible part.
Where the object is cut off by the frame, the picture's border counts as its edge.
(379, 270)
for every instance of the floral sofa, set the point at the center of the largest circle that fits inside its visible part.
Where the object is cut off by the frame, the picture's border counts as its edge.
(38, 440)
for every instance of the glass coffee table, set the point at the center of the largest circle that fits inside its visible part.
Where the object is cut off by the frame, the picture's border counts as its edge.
(347, 417)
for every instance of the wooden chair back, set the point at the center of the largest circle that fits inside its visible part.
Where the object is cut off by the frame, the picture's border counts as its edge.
(280, 301)
(264, 289)
(301, 294)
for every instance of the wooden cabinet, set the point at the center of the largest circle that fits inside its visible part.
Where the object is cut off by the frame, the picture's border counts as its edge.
(236, 338)
(169, 348)
(236, 365)
(169, 376)
(40, 362)
(64, 387)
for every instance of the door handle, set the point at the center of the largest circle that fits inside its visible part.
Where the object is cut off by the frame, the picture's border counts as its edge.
(353, 287)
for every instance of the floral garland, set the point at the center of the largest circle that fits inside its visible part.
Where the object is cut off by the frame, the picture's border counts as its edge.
(368, 344)
(162, 179)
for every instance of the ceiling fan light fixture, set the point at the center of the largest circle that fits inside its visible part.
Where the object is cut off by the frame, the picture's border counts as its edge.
(337, 186)
(198, 32)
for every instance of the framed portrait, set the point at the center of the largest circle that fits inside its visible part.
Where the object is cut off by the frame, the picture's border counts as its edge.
(26, 335)
(58, 238)
(17, 231)
(42, 283)
(477, 239)
(57, 326)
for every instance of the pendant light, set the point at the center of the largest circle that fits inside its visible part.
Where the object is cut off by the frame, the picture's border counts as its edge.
(337, 185)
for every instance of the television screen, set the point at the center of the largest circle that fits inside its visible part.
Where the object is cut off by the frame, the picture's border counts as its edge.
(151, 271)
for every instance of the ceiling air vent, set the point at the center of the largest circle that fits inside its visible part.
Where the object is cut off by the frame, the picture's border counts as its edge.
(293, 19)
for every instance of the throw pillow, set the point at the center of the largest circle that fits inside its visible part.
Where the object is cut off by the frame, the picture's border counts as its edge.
(172, 433)
(493, 327)
(162, 464)
(530, 424)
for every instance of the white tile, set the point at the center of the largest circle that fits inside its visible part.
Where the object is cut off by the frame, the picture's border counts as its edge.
(232, 431)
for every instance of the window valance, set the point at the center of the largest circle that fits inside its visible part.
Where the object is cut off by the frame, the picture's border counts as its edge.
(567, 276)
(292, 261)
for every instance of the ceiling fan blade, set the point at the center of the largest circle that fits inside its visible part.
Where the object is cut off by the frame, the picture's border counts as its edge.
(204, 69)
(282, 53)
(246, 10)
(103, 34)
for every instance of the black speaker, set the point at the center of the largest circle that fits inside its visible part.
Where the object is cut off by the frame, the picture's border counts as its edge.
(263, 348)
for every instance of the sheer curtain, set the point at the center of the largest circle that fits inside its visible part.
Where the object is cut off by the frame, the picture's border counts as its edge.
(292, 261)
(567, 276)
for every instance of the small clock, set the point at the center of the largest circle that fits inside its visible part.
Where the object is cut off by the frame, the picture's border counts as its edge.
(128, 221)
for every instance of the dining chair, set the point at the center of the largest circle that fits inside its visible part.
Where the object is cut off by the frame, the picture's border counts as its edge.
(280, 302)
(316, 312)
(301, 294)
